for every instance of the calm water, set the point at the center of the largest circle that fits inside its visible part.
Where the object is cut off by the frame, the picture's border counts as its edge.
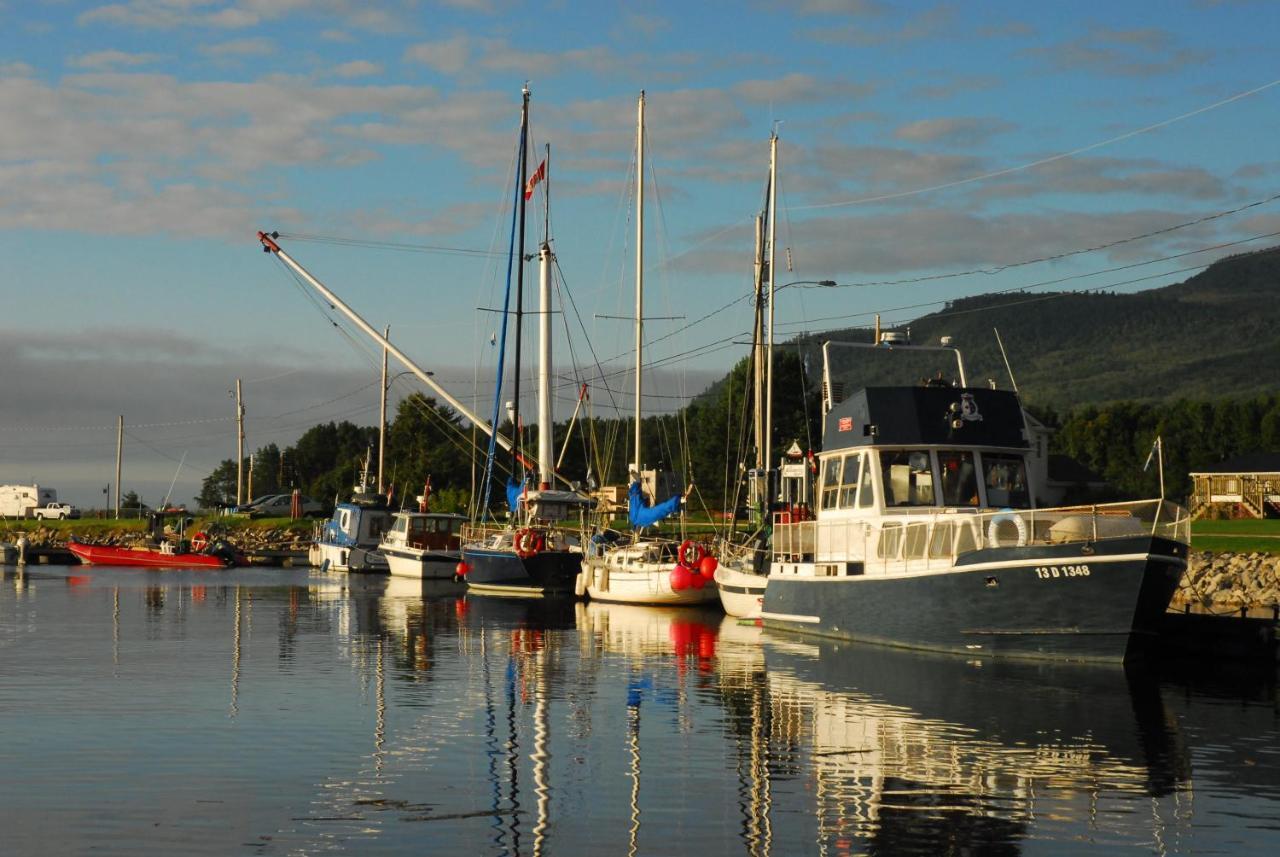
(285, 712)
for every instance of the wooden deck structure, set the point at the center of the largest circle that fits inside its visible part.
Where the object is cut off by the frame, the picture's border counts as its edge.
(1247, 486)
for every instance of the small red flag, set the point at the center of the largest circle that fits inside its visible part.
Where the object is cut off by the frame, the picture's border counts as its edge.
(538, 175)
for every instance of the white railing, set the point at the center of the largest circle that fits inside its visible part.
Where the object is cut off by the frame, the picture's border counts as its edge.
(934, 539)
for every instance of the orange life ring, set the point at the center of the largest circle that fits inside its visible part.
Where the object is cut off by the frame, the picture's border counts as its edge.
(199, 542)
(528, 543)
(690, 554)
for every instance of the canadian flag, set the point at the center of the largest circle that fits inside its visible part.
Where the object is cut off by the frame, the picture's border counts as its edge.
(538, 175)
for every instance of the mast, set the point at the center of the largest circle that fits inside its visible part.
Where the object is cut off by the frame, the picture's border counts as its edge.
(545, 419)
(524, 168)
(757, 350)
(768, 395)
(639, 269)
(382, 414)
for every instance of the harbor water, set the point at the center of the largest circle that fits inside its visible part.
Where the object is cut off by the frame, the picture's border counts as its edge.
(268, 711)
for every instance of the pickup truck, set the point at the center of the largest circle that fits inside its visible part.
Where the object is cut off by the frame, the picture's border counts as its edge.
(55, 511)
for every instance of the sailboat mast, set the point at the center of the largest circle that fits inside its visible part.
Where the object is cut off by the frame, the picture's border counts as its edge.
(515, 394)
(545, 419)
(773, 217)
(639, 270)
(757, 349)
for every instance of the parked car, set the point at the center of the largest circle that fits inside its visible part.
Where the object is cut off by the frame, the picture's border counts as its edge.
(248, 508)
(281, 505)
(55, 511)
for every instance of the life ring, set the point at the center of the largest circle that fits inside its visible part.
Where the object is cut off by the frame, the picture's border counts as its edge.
(690, 554)
(199, 542)
(528, 543)
(1011, 518)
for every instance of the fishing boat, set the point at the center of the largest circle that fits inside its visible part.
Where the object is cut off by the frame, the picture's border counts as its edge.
(423, 545)
(638, 568)
(927, 536)
(538, 550)
(199, 554)
(349, 540)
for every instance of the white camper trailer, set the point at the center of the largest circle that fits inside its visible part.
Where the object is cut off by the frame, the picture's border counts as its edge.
(20, 501)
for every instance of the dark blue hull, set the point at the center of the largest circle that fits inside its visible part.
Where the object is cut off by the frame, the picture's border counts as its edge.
(1055, 602)
(501, 572)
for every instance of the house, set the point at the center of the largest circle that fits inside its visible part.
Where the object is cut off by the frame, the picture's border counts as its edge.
(1247, 486)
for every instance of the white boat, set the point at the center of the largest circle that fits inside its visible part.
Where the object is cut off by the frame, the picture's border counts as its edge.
(638, 570)
(423, 545)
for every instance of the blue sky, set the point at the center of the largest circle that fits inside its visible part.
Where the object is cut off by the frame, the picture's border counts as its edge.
(145, 141)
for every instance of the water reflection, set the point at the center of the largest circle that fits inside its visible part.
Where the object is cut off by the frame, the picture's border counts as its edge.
(905, 752)
(380, 715)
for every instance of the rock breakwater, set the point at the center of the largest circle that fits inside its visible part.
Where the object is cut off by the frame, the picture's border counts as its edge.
(1222, 582)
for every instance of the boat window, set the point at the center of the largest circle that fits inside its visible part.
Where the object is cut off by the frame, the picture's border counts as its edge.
(401, 525)
(1006, 478)
(830, 481)
(849, 481)
(867, 497)
(940, 541)
(959, 477)
(889, 542)
(908, 478)
(419, 526)
(344, 520)
(917, 536)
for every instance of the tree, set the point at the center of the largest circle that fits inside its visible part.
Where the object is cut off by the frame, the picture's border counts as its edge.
(219, 487)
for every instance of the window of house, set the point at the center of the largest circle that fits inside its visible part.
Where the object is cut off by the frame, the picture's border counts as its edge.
(908, 478)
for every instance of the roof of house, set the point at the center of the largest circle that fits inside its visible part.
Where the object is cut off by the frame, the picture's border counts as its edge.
(1253, 462)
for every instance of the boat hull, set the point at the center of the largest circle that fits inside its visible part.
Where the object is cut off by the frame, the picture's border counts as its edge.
(1044, 602)
(643, 586)
(422, 565)
(134, 558)
(348, 558)
(501, 572)
(741, 592)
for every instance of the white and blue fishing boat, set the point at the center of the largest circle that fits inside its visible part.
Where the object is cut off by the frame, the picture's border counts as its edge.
(349, 540)
(927, 536)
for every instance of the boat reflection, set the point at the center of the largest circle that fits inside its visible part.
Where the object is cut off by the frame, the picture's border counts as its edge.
(905, 751)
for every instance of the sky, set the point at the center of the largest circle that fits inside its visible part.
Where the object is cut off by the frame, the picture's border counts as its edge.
(926, 151)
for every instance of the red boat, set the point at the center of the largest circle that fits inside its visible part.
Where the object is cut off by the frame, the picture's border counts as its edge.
(148, 557)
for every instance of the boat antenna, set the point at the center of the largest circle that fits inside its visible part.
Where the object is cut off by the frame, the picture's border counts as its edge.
(1003, 354)
(174, 481)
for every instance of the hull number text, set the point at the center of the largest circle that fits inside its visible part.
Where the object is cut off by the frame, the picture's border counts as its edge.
(1044, 572)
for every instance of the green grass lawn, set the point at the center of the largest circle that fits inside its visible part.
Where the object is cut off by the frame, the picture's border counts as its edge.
(1242, 536)
(1243, 527)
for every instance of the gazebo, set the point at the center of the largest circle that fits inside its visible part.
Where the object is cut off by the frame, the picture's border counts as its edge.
(1244, 486)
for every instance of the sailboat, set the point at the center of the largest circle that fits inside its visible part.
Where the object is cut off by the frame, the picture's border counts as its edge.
(646, 570)
(531, 555)
(742, 573)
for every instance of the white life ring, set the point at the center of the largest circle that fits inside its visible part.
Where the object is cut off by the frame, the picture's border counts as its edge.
(1012, 518)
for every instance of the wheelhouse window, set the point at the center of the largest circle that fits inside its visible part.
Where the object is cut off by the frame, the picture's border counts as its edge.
(908, 478)
(401, 524)
(831, 481)
(958, 474)
(849, 481)
(1006, 479)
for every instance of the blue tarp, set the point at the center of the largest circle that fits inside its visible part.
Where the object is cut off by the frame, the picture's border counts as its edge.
(514, 490)
(644, 515)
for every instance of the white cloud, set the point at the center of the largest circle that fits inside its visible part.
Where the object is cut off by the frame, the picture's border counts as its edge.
(357, 68)
(961, 131)
(254, 47)
(102, 60)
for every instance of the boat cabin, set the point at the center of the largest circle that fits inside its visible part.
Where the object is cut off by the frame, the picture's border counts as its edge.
(907, 473)
(356, 524)
(427, 530)
(551, 506)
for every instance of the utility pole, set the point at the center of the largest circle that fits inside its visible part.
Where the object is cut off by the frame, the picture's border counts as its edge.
(382, 412)
(250, 488)
(239, 447)
(119, 457)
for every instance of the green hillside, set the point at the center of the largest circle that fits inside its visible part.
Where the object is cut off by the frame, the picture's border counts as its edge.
(1216, 334)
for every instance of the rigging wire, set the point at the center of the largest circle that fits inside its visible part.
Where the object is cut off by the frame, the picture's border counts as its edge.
(1042, 161)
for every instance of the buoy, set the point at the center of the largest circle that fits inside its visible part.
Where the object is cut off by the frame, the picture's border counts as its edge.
(708, 566)
(462, 568)
(681, 578)
(697, 581)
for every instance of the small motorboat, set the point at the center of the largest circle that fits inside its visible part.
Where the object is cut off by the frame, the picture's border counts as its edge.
(201, 554)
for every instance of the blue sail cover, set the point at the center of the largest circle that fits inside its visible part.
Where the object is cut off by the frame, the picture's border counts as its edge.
(643, 515)
(514, 490)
